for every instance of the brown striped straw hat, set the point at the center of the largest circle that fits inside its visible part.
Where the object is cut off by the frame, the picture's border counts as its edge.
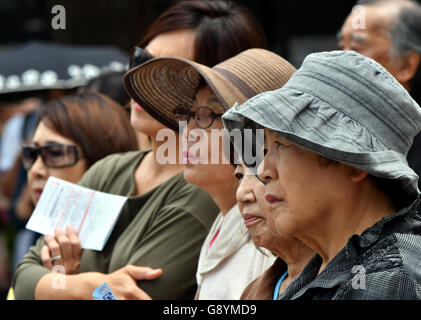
(162, 84)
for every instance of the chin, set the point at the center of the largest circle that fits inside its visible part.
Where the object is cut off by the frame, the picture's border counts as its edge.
(193, 175)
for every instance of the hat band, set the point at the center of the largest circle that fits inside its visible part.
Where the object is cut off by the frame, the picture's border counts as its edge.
(236, 81)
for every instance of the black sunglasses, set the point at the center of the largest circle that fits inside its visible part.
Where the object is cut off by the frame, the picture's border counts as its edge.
(139, 56)
(203, 116)
(53, 155)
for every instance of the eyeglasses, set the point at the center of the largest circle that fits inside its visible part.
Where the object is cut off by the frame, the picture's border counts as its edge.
(139, 56)
(203, 116)
(53, 155)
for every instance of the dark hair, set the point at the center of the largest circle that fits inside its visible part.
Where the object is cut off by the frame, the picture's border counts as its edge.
(110, 84)
(405, 33)
(93, 121)
(394, 192)
(223, 29)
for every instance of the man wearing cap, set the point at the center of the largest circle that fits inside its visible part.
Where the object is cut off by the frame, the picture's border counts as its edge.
(336, 139)
(389, 32)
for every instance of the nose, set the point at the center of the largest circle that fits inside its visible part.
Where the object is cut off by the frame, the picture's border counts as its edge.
(267, 170)
(191, 125)
(192, 133)
(38, 168)
(245, 193)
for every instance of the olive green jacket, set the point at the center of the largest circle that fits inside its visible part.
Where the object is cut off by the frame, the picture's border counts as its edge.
(163, 228)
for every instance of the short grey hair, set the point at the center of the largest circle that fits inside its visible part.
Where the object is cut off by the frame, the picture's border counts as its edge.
(405, 35)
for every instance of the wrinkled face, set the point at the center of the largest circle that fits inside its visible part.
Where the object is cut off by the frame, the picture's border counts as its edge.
(178, 43)
(299, 191)
(254, 207)
(373, 41)
(39, 172)
(206, 163)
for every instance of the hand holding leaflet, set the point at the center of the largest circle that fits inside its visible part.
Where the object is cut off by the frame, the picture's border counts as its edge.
(91, 213)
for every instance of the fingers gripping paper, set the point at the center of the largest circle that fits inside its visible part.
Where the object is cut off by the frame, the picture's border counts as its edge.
(91, 213)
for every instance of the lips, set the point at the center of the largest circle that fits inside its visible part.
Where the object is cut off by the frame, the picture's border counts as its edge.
(138, 107)
(188, 157)
(37, 192)
(272, 199)
(250, 218)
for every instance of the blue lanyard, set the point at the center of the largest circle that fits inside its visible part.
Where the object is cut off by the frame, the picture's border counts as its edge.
(278, 285)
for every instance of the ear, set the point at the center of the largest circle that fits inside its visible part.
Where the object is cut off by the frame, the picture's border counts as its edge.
(357, 175)
(407, 67)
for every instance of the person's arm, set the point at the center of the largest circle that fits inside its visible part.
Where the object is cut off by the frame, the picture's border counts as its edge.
(172, 243)
(81, 286)
(33, 281)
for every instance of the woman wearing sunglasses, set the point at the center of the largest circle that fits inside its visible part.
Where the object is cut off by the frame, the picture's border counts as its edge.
(165, 219)
(73, 133)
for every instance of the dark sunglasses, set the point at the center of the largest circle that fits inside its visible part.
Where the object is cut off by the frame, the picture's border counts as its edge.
(138, 57)
(203, 116)
(53, 155)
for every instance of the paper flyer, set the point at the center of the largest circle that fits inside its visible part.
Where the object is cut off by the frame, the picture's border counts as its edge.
(91, 213)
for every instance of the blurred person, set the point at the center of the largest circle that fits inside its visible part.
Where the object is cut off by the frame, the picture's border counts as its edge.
(391, 35)
(72, 134)
(13, 116)
(336, 177)
(18, 114)
(292, 254)
(182, 90)
(111, 84)
(165, 219)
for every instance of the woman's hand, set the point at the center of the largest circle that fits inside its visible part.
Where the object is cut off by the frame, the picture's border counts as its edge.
(64, 249)
(123, 282)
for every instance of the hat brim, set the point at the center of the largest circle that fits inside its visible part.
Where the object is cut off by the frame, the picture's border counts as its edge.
(354, 150)
(160, 85)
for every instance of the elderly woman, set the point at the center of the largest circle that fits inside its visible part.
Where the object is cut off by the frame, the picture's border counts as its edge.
(293, 254)
(178, 89)
(337, 179)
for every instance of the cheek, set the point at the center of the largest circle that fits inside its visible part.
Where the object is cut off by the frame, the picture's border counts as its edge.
(144, 123)
(31, 177)
(284, 221)
(71, 174)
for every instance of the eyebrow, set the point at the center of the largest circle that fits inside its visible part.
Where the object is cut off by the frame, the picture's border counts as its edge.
(48, 143)
(358, 38)
(354, 36)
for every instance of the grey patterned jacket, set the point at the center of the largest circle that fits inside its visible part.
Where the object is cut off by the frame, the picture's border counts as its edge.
(384, 263)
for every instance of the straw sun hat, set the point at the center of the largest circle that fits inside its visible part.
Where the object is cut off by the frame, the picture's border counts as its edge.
(162, 84)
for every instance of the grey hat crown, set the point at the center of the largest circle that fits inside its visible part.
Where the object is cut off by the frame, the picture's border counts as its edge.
(370, 95)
